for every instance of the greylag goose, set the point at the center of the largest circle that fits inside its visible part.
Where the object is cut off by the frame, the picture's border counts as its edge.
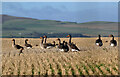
(72, 46)
(46, 45)
(27, 45)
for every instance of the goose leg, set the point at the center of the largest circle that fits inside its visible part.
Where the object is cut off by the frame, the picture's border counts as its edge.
(20, 51)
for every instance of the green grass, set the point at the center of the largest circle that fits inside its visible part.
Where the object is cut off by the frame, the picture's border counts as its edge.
(45, 26)
(92, 68)
(79, 70)
(51, 69)
(32, 69)
(100, 69)
(98, 22)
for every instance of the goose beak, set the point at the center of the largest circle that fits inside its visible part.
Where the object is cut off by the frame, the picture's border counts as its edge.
(68, 35)
(40, 37)
(110, 35)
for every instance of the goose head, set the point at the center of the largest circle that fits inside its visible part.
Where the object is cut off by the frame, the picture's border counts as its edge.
(41, 37)
(53, 41)
(58, 39)
(69, 35)
(26, 40)
(111, 35)
(99, 35)
(63, 41)
(13, 39)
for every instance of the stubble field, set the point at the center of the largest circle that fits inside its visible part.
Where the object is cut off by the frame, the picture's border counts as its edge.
(90, 60)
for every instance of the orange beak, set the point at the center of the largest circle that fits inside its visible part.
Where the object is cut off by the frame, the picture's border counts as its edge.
(68, 35)
(40, 37)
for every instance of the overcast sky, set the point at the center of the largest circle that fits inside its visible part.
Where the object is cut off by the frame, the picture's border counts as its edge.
(64, 11)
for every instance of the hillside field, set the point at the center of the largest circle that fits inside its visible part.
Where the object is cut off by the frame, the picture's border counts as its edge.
(29, 27)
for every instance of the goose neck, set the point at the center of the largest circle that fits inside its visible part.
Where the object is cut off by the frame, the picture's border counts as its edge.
(112, 37)
(13, 42)
(42, 41)
(59, 41)
(25, 42)
(45, 40)
(70, 39)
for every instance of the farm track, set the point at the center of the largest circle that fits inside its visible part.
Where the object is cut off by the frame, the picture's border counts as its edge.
(91, 60)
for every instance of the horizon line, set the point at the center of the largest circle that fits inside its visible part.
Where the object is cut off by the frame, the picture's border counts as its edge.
(57, 20)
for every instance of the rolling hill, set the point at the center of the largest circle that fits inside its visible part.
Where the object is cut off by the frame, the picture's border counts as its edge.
(14, 26)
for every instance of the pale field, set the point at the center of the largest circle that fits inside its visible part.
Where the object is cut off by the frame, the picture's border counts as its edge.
(91, 60)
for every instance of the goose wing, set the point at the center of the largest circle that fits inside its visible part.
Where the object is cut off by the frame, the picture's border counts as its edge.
(66, 48)
(18, 46)
(113, 42)
(49, 45)
(60, 46)
(73, 46)
(98, 41)
(28, 45)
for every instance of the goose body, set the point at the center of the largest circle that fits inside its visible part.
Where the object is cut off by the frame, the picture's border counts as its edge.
(17, 46)
(72, 46)
(62, 46)
(99, 41)
(66, 48)
(113, 42)
(48, 45)
(27, 45)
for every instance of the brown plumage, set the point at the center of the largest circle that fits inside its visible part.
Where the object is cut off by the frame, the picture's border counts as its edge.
(66, 48)
(27, 45)
(72, 46)
(46, 45)
(62, 46)
(17, 46)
